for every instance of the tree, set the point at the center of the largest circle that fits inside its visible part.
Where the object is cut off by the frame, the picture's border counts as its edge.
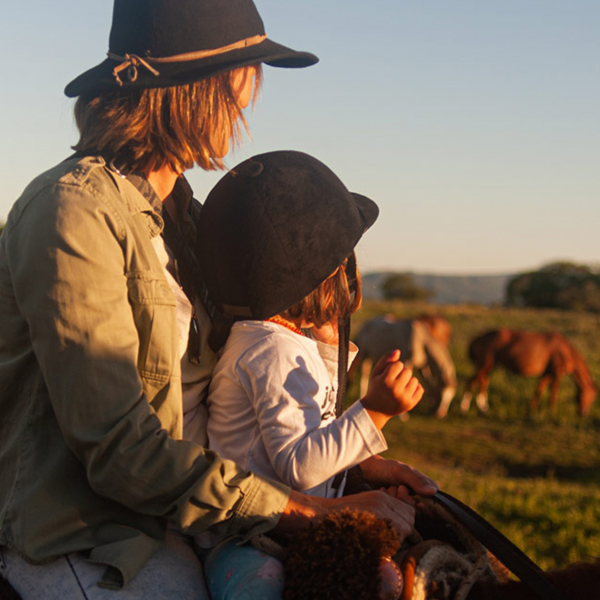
(561, 285)
(402, 286)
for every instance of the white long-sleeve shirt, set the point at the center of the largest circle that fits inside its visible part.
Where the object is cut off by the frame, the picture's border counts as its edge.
(272, 410)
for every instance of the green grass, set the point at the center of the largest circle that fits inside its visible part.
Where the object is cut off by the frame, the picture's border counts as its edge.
(539, 485)
(536, 478)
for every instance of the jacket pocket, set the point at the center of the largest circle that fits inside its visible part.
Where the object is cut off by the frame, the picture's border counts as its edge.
(154, 313)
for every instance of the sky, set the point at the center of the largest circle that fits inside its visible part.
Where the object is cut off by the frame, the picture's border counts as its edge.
(474, 124)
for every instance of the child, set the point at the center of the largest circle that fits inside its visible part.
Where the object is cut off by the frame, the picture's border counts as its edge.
(283, 264)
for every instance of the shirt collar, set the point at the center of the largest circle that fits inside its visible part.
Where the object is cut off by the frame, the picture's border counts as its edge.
(144, 187)
(181, 194)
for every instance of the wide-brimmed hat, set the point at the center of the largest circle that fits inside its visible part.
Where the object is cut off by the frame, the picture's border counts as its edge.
(161, 43)
(273, 229)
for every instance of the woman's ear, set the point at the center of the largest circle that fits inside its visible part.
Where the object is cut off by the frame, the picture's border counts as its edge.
(242, 84)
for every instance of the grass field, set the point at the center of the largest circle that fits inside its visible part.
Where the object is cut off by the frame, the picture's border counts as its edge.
(536, 478)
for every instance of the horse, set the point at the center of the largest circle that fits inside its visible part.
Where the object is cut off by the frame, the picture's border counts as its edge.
(547, 355)
(439, 328)
(423, 343)
(347, 556)
(354, 555)
(577, 581)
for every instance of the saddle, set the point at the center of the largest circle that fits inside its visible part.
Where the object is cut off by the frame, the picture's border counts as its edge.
(347, 556)
(353, 555)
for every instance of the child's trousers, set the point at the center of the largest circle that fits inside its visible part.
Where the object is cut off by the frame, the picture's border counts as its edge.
(235, 572)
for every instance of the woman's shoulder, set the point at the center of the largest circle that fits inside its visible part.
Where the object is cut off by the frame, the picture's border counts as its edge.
(76, 172)
(73, 184)
(73, 196)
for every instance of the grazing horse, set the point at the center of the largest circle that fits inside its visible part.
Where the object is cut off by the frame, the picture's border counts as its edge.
(439, 328)
(423, 343)
(547, 355)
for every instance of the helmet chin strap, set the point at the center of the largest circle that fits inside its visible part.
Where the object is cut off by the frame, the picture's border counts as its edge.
(344, 338)
(351, 273)
(343, 349)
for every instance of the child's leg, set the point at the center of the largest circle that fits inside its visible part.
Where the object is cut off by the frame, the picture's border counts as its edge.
(242, 573)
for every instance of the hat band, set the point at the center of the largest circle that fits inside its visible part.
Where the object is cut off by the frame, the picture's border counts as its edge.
(131, 62)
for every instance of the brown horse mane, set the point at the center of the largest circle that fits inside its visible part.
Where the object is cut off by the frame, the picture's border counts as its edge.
(579, 581)
(581, 373)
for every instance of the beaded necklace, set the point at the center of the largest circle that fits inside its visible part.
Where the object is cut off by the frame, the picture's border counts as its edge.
(279, 321)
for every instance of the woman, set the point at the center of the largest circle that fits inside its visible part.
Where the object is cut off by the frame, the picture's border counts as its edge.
(97, 486)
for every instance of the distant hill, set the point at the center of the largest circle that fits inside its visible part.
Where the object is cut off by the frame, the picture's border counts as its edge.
(447, 289)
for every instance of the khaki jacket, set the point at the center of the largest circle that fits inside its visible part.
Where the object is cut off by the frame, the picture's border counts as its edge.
(91, 456)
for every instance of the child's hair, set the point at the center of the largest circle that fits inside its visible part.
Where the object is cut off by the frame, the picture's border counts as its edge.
(177, 126)
(334, 298)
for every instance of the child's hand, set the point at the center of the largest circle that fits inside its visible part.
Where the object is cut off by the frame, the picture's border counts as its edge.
(392, 390)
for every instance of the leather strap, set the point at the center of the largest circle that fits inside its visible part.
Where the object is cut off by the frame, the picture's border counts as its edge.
(501, 547)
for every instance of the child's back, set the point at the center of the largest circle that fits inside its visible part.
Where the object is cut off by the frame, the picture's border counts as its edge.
(272, 411)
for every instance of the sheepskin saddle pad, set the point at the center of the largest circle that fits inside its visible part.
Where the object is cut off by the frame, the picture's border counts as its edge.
(347, 557)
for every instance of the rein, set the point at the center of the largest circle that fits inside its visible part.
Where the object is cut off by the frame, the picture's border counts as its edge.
(500, 546)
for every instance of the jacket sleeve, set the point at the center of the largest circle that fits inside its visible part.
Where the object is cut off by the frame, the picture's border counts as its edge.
(68, 267)
(282, 383)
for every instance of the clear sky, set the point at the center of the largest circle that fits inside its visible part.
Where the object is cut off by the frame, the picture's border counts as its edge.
(475, 124)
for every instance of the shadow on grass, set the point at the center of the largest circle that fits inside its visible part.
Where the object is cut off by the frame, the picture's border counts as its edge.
(574, 474)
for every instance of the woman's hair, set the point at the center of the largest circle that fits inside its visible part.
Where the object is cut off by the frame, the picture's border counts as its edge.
(334, 298)
(176, 126)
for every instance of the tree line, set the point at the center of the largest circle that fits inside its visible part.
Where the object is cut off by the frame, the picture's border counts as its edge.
(560, 285)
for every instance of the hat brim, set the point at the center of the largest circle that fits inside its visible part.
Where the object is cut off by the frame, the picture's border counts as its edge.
(271, 53)
(368, 210)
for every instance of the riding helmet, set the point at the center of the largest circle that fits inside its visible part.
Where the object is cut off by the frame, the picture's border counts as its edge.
(273, 229)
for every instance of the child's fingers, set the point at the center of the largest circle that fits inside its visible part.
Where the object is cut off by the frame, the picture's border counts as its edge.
(399, 377)
(392, 490)
(413, 393)
(412, 388)
(393, 370)
(400, 492)
(384, 361)
(389, 373)
(403, 493)
(419, 393)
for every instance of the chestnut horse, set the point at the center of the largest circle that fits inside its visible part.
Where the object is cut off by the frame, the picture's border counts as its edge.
(423, 343)
(547, 355)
